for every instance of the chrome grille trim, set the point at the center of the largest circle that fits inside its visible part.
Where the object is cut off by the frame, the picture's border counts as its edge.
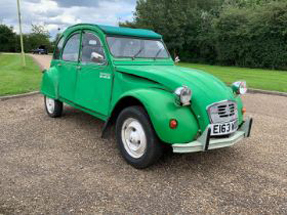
(223, 111)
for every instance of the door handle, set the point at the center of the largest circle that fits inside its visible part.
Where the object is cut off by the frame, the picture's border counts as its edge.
(79, 67)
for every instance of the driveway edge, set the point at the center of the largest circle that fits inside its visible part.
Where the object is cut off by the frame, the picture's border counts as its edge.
(3, 98)
(42, 67)
(250, 90)
(276, 93)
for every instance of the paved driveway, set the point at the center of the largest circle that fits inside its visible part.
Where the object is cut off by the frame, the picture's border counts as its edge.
(62, 166)
(42, 60)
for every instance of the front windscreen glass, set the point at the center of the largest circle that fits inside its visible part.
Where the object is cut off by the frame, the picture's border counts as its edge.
(122, 47)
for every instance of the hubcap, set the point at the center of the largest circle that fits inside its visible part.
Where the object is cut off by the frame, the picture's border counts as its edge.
(50, 104)
(134, 138)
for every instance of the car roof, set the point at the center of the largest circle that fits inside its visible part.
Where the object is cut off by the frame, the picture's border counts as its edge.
(122, 31)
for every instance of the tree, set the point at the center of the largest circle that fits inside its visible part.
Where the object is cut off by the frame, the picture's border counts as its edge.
(177, 20)
(248, 3)
(249, 33)
(7, 39)
(10, 41)
(38, 37)
(252, 36)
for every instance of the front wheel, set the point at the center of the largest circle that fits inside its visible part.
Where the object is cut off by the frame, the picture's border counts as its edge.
(138, 143)
(54, 108)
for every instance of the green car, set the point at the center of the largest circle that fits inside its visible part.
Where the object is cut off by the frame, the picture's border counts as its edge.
(127, 78)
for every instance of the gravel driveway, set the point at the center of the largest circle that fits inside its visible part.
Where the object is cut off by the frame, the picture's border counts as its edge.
(62, 166)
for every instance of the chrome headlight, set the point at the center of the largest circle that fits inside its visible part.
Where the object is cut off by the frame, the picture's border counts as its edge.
(239, 87)
(184, 94)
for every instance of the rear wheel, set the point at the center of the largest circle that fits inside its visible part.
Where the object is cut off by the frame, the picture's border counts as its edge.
(54, 108)
(137, 140)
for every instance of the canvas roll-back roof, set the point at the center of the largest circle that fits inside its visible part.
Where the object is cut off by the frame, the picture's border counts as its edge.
(123, 31)
(129, 31)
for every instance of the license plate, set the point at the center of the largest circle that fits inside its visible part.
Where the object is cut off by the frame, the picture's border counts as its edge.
(223, 128)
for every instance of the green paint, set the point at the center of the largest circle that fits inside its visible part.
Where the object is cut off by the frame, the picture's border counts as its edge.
(97, 89)
(111, 30)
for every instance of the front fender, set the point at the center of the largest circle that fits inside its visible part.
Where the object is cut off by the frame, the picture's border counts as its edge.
(50, 83)
(161, 107)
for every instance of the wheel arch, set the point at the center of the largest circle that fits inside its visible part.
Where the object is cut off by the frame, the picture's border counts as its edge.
(161, 108)
(123, 103)
(50, 83)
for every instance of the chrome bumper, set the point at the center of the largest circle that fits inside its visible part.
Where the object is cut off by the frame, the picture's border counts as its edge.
(206, 142)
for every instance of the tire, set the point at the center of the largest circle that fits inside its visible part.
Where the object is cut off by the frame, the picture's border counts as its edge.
(137, 140)
(54, 108)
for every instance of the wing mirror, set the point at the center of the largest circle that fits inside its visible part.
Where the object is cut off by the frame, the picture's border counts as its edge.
(97, 58)
(176, 60)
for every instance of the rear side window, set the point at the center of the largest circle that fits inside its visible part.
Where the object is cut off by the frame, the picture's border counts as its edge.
(71, 49)
(58, 48)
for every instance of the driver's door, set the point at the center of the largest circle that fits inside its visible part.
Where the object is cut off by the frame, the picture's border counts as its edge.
(94, 80)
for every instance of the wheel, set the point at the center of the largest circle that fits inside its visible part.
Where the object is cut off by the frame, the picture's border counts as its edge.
(137, 140)
(53, 107)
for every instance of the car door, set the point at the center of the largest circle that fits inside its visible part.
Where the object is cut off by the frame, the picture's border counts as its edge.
(68, 67)
(94, 75)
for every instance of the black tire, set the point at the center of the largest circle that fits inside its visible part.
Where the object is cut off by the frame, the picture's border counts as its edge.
(153, 149)
(57, 110)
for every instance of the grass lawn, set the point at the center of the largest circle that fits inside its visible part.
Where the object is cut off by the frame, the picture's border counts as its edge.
(14, 79)
(255, 78)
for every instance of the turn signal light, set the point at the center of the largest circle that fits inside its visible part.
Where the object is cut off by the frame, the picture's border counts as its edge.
(173, 123)
(243, 110)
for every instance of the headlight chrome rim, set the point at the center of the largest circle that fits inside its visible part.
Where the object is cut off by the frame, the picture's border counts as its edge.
(184, 94)
(240, 87)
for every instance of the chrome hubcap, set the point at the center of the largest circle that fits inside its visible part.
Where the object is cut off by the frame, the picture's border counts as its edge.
(50, 104)
(134, 138)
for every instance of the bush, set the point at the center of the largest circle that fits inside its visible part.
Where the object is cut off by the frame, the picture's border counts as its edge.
(247, 33)
(252, 37)
(10, 41)
(7, 39)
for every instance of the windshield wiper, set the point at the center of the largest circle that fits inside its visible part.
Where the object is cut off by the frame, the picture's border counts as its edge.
(157, 54)
(138, 53)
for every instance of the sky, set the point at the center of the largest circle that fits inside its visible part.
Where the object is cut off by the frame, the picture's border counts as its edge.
(55, 14)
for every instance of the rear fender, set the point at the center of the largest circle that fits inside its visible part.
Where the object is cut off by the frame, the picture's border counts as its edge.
(50, 83)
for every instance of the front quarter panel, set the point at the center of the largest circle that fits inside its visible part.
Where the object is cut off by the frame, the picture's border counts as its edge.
(161, 107)
(50, 83)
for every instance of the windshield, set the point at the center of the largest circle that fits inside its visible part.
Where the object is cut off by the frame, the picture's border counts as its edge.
(137, 48)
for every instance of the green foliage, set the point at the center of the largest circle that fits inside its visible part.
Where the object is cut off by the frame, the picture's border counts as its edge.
(10, 41)
(176, 20)
(248, 3)
(249, 33)
(38, 37)
(7, 39)
(253, 37)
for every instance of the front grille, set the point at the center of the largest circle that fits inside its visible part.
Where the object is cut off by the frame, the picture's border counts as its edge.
(225, 111)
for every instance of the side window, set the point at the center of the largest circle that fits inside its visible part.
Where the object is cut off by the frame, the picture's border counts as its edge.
(58, 48)
(92, 49)
(71, 49)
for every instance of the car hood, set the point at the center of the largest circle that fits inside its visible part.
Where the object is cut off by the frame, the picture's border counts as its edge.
(206, 88)
(202, 84)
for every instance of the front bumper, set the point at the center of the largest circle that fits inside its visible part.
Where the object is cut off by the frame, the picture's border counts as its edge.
(206, 142)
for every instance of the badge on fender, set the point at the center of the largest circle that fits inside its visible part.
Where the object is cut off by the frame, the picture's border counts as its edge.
(105, 75)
